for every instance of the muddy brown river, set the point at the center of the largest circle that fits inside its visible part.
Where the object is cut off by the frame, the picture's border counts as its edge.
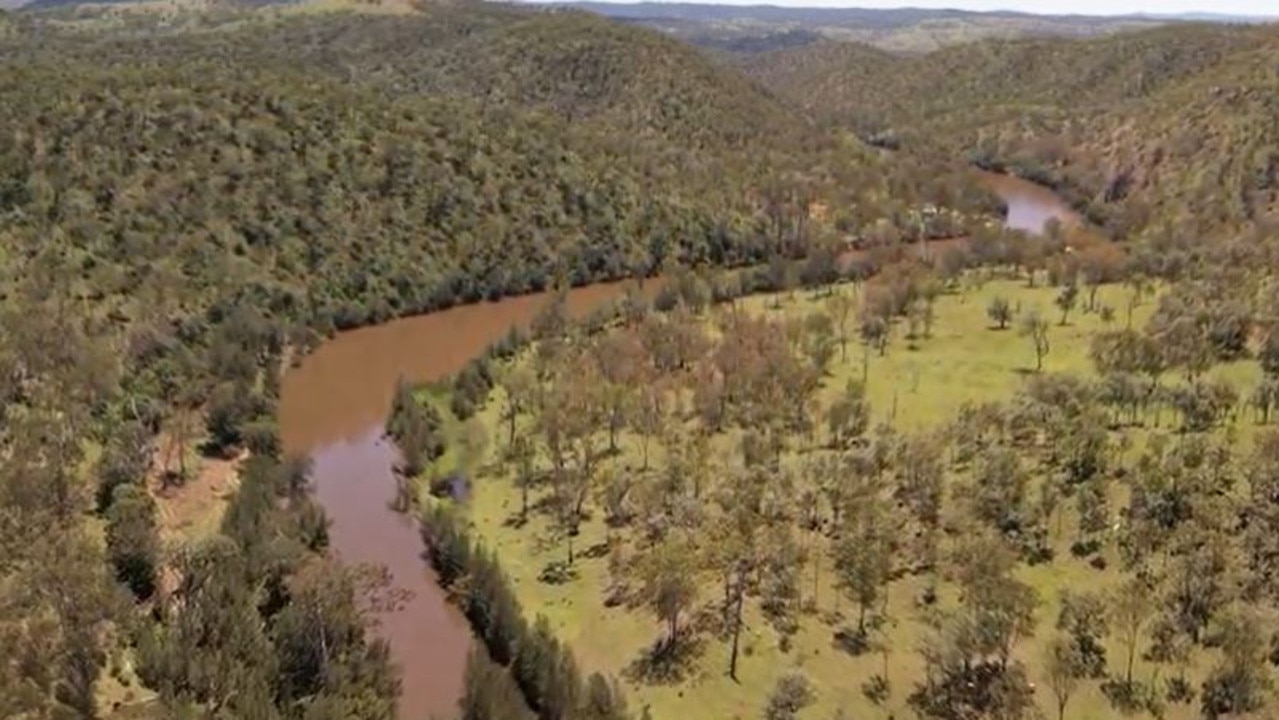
(332, 409)
(1030, 206)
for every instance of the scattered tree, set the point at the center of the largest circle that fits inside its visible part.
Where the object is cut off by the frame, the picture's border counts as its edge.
(841, 306)
(1063, 668)
(1035, 327)
(1000, 312)
(668, 572)
(1066, 301)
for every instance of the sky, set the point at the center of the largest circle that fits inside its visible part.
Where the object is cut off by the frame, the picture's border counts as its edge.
(1054, 7)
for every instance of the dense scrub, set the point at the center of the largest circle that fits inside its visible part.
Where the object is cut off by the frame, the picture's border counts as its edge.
(252, 621)
(203, 170)
(654, 104)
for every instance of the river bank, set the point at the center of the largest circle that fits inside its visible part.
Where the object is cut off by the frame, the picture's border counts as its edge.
(332, 410)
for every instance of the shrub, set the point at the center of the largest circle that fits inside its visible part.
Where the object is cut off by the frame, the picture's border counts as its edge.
(793, 693)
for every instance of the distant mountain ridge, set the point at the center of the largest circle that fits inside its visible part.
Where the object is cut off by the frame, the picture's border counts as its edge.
(762, 27)
(881, 16)
(755, 28)
(1211, 17)
(871, 16)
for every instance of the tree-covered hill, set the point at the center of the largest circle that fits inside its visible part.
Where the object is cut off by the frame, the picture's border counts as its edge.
(576, 65)
(1098, 118)
(1202, 154)
(292, 182)
(572, 64)
(186, 200)
(834, 83)
(472, 152)
(965, 84)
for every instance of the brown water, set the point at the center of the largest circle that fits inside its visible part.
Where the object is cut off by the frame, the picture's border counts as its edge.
(1030, 206)
(333, 408)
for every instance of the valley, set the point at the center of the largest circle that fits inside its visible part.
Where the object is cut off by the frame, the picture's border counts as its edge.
(925, 387)
(352, 462)
(477, 360)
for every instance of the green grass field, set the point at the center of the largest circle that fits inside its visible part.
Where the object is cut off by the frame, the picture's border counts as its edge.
(912, 387)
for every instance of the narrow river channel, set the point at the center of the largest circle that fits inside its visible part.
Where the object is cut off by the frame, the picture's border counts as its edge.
(333, 407)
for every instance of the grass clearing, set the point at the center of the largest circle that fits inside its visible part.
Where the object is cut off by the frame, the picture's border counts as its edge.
(913, 386)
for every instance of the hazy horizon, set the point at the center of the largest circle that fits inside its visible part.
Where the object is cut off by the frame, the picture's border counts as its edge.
(1254, 8)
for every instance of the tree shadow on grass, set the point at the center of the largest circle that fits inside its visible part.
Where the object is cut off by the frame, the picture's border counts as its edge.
(667, 662)
(546, 504)
(516, 520)
(857, 640)
(851, 640)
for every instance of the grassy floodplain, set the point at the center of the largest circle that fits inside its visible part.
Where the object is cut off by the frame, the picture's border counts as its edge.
(917, 387)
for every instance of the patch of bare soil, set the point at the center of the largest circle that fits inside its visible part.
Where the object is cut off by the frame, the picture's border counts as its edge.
(193, 508)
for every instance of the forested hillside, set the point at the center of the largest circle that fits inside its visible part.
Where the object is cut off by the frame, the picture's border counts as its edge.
(185, 205)
(568, 63)
(966, 83)
(1125, 123)
(218, 157)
